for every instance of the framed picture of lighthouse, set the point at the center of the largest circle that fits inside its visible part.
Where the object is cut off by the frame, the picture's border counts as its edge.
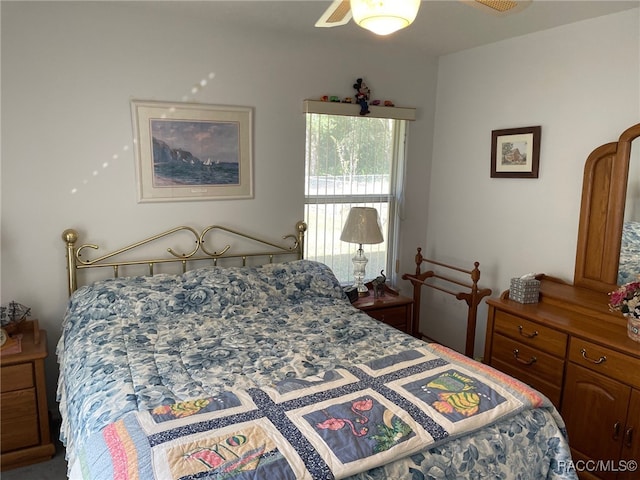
(188, 151)
(515, 152)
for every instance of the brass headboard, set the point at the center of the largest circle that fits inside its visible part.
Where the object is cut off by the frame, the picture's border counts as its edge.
(199, 252)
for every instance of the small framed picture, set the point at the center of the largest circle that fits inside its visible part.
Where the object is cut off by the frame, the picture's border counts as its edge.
(515, 152)
(192, 151)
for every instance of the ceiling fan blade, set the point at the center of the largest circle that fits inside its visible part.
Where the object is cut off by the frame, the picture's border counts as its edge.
(338, 13)
(498, 7)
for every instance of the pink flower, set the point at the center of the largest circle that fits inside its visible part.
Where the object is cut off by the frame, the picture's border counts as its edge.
(617, 297)
(626, 299)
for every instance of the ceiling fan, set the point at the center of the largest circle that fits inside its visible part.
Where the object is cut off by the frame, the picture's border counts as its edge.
(387, 16)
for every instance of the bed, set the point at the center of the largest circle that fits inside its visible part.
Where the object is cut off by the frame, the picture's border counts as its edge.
(266, 371)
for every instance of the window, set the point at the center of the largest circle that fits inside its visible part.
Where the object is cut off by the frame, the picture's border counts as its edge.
(352, 161)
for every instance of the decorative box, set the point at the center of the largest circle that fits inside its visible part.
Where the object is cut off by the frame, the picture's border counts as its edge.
(633, 328)
(524, 290)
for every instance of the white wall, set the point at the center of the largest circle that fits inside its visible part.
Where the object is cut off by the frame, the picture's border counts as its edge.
(581, 84)
(69, 71)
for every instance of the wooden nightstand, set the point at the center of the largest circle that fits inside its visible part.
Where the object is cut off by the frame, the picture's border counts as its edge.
(391, 308)
(25, 438)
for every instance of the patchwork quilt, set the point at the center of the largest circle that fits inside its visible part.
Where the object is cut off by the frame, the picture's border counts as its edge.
(270, 373)
(340, 423)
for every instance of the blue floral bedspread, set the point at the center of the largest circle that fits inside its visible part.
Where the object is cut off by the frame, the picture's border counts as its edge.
(262, 335)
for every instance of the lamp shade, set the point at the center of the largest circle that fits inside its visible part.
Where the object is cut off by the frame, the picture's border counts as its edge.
(383, 17)
(362, 226)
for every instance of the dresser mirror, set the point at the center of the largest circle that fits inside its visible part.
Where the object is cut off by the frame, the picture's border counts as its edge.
(629, 265)
(608, 249)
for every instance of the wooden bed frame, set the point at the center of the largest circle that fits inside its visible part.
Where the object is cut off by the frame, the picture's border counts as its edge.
(200, 251)
(472, 297)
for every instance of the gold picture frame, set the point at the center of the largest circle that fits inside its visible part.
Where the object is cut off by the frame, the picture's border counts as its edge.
(190, 151)
(515, 152)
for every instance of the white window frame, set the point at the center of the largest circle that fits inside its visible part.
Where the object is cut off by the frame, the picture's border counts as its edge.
(393, 199)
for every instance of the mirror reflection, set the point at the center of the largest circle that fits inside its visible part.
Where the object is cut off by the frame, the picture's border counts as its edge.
(629, 265)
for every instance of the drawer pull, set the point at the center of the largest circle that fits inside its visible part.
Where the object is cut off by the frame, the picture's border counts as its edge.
(531, 361)
(628, 437)
(527, 335)
(602, 359)
(616, 431)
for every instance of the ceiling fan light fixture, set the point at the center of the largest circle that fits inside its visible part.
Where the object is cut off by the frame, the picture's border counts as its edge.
(384, 17)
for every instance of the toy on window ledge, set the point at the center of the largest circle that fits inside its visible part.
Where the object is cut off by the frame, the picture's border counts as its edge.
(362, 96)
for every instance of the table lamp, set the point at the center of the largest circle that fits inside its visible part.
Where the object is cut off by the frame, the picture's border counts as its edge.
(362, 227)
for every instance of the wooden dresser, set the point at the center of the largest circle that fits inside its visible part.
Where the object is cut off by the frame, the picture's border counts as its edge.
(572, 349)
(24, 417)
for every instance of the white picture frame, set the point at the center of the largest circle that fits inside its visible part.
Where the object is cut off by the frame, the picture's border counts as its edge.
(191, 151)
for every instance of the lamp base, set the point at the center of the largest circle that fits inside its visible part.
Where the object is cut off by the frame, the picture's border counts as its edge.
(359, 264)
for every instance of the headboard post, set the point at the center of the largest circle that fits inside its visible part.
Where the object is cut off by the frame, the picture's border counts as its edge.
(301, 227)
(70, 237)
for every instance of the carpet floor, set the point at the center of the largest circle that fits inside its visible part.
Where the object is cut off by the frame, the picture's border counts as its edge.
(54, 469)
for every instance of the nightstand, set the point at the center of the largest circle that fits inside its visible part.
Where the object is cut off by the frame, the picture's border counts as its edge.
(391, 308)
(24, 417)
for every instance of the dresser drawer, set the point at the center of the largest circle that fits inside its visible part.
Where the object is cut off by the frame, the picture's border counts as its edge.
(20, 427)
(531, 333)
(394, 316)
(16, 377)
(523, 358)
(605, 361)
(551, 391)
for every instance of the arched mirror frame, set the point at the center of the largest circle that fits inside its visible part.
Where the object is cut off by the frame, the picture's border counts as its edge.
(604, 190)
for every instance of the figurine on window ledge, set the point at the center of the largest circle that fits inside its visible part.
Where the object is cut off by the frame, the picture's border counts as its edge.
(362, 96)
